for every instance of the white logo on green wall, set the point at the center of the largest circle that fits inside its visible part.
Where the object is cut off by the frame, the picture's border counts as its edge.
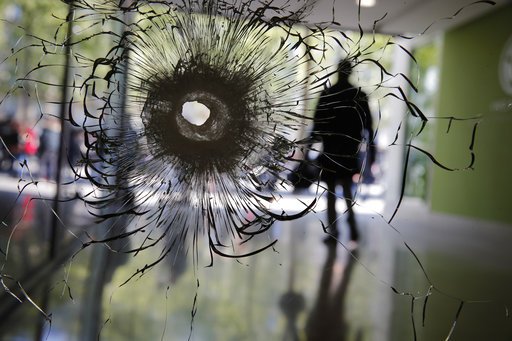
(505, 67)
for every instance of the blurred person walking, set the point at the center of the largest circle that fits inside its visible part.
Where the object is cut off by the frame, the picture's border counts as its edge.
(9, 149)
(28, 150)
(49, 149)
(342, 120)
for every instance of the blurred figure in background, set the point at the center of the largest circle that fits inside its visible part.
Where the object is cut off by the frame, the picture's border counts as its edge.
(9, 149)
(342, 120)
(28, 150)
(49, 148)
(74, 154)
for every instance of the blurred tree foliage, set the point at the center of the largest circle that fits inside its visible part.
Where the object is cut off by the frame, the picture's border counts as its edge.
(23, 21)
(32, 47)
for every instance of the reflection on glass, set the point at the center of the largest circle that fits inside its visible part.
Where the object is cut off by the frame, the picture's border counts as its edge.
(327, 319)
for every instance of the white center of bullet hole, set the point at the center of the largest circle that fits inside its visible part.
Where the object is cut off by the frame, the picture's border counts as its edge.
(195, 113)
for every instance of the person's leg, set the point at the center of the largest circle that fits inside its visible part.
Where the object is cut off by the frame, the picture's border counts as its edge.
(332, 216)
(347, 194)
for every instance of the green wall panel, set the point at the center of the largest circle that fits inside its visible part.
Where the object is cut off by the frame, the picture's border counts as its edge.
(470, 86)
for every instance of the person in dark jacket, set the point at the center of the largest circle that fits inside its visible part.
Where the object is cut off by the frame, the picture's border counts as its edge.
(343, 123)
(9, 148)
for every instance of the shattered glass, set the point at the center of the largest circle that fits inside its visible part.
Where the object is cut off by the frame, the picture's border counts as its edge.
(190, 117)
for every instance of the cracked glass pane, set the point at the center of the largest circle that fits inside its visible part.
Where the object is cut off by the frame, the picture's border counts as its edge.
(250, 170)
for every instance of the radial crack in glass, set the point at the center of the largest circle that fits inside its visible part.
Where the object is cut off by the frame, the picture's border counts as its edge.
(189, 179)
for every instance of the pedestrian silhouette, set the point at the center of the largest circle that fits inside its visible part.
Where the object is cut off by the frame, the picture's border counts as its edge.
(342, 122)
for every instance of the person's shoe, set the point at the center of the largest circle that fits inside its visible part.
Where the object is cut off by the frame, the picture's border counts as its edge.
(330, 240)
(331, 237)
